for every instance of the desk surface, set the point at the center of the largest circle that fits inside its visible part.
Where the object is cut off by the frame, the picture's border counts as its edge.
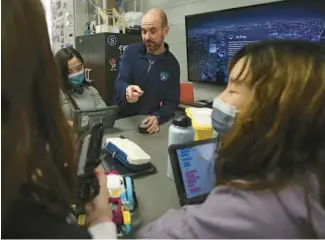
(156, 193)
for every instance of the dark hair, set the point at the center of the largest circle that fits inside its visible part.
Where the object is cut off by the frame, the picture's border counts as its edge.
(36, 136)
(278, 136)
(62, 57)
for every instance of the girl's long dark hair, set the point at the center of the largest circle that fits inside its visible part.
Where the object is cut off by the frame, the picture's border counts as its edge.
(37, 146)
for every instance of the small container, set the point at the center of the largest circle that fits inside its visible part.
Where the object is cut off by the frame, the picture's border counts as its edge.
(201, 122)
(180, 131)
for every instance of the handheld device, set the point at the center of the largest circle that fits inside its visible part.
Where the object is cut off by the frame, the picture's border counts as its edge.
(88, 186)
(193, 166)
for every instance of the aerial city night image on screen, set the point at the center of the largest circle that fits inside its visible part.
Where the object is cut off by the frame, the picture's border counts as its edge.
(213, 38)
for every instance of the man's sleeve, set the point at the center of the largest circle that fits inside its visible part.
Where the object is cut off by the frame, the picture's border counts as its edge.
(123, 78)
(172, 98)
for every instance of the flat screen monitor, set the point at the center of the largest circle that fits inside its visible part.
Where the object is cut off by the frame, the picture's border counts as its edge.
(213, 38)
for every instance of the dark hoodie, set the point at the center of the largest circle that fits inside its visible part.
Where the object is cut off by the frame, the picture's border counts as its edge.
(158, 77)
(233, 213)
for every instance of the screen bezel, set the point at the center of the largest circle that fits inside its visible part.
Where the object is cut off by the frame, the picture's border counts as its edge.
(78, 113)
(187, 17)
(178, 179)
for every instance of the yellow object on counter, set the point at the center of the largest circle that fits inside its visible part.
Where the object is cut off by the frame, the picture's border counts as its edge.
(126, 217)
(81, 220)
(201, 122)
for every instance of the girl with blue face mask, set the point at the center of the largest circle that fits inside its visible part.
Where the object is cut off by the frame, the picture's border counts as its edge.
(76, 92)
(270, 170)
(77, 79)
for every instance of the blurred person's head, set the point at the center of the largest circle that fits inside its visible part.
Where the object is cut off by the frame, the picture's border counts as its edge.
(277, 89)
(71, 67)
(234, 98)
(37, 147)
(155, 28)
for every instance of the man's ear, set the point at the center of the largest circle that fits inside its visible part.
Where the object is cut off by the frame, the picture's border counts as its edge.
(166, 31)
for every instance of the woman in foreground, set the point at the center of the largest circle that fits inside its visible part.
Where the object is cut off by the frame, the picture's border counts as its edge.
(38, 167)
(271, 165)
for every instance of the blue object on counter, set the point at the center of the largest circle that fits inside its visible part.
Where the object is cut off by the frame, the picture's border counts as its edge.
(121, 156)
(129, 191)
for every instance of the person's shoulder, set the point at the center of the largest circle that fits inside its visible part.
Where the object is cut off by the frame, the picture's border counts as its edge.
(91, 88)
(63, 97)
(133, 49)
(172, 58)
(229, 202)
(135, 46)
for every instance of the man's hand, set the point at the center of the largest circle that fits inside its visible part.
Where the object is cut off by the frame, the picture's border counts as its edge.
(151, 124)
(133, 92)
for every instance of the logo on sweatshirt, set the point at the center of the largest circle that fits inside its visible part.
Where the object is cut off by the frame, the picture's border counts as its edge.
(164, 76)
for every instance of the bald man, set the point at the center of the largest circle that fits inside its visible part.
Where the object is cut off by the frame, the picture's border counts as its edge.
(148, 82)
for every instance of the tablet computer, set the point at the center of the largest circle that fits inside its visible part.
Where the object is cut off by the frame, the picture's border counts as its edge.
(84, 120)
(193, 167)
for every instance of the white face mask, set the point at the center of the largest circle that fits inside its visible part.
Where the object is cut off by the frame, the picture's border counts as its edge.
(223, 116)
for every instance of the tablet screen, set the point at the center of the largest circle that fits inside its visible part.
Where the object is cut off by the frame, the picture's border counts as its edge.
(197, 168)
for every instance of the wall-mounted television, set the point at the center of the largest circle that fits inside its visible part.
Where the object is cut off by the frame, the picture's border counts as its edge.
(213, 38)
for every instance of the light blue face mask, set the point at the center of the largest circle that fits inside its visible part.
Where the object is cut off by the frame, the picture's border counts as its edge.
(223, 116)
(77, 78)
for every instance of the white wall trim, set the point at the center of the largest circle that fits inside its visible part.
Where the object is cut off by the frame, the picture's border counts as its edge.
(48, 13)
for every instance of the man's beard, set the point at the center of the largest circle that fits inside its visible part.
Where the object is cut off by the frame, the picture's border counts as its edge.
(152, 46)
